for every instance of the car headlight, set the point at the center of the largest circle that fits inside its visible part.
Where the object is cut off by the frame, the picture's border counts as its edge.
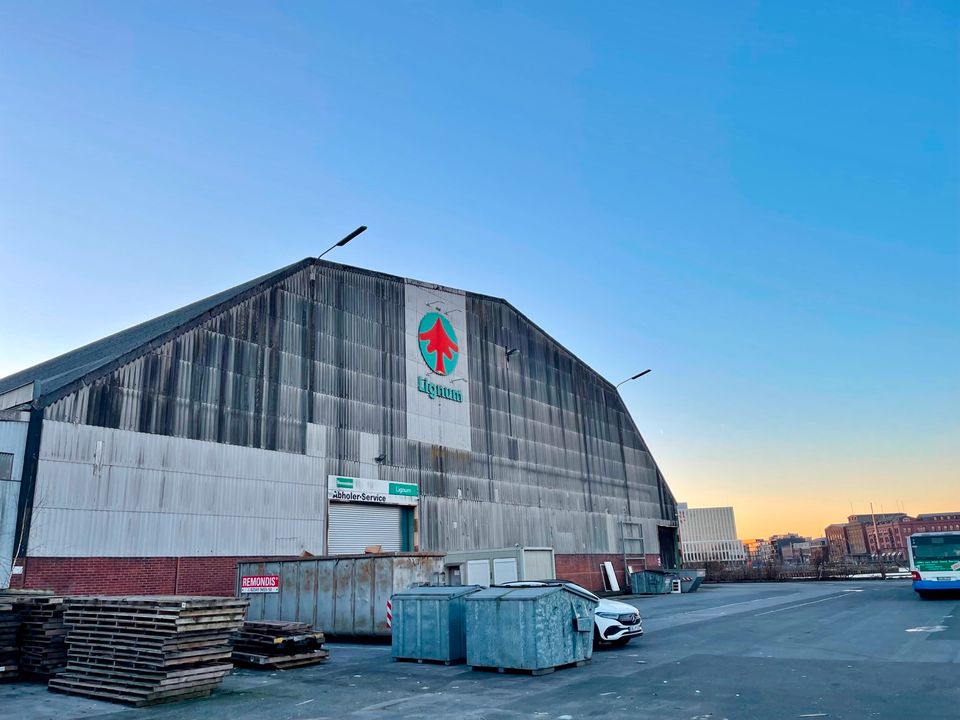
(609, 616)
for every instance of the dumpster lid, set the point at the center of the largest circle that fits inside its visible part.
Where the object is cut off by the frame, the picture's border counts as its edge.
(527, 593)
(437, 591)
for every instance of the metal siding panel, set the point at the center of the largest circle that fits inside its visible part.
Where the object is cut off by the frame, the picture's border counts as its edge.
(365, 573)
(13, 438)
(271, 601)
(343, 597)
(156, 495)
(324, 596)
(16, 396)
(307, 589)
(290, 592)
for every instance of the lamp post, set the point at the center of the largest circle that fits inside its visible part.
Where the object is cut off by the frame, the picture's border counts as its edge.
(343, 241)
(638, 375)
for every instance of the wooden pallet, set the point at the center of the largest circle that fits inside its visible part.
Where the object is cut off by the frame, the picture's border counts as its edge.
(280, 662)
(278, 644)
(136, 699)
(42, 632)
(9, 651)
(144, 650)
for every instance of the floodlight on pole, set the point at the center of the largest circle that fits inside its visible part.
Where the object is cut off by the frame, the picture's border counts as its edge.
(343, 241)
(638, 375)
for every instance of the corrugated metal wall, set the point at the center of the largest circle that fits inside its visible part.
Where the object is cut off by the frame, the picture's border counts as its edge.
(315, 365)
(13, 439)
(119, 493)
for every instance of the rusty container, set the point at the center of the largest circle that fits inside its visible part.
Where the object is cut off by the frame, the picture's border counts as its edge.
(343, 595)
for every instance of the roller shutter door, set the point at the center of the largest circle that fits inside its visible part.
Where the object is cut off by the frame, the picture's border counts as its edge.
(354, 526)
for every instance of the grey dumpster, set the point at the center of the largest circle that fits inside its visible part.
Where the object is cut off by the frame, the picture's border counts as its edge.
(690, 583)
(428, 623)
(535, 629)
(649, 582)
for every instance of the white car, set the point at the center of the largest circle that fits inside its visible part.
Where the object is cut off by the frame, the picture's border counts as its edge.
(614, 622)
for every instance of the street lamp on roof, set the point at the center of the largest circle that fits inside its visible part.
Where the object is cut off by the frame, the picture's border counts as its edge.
(343, 241)
(634, 377)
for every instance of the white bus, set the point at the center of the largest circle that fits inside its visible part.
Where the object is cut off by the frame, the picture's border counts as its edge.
(935, 562)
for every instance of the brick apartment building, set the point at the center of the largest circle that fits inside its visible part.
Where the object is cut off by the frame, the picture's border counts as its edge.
(859, 538)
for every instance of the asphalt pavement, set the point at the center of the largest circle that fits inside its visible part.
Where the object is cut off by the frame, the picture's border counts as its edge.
(833, 650)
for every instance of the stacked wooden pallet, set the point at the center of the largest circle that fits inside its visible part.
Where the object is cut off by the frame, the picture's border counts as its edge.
(9, 653)
(148, 649)
(278, 645)
(43, 651)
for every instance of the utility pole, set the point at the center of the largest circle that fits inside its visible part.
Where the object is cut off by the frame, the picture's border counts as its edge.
(876, 537)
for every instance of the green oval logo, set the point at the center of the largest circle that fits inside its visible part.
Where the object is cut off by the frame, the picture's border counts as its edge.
(438, 343)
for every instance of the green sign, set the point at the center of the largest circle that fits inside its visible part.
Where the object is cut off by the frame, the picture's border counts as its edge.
(343, 482)
(434, 390)
(403, 489)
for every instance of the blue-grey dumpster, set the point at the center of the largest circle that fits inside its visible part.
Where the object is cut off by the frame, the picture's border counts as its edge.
(649, 582)
(428, 623)
(535, 629)
(689, 582)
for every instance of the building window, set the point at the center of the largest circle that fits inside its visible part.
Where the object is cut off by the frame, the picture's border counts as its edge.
(6, 466)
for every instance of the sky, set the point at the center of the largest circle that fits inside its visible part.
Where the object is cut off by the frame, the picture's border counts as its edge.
(759, 201)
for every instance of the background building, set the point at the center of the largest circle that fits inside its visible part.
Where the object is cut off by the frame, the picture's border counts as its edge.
(794, 549)
(837, 547)
(321, 409)
(758, 552)
(709, 535)
(885, 535)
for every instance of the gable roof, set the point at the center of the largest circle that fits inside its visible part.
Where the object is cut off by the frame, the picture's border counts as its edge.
(52, 379)
(55, 374)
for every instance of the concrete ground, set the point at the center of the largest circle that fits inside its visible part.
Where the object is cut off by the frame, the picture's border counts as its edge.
(794, 650)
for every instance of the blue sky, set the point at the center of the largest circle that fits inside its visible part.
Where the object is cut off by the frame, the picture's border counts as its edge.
(759, 201)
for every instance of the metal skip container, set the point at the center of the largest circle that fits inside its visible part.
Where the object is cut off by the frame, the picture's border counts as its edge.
(690, 581)
(535, 629)
(344, 595)
(649, 582)
(428, 623)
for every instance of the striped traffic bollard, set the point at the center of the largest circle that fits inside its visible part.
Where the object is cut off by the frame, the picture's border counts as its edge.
(389, 614)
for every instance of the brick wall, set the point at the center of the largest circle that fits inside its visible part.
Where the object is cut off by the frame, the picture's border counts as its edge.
(218, 575)
(131, 576)
(585, 569)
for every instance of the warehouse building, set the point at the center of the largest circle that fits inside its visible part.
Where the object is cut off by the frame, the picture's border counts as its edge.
(318, 409)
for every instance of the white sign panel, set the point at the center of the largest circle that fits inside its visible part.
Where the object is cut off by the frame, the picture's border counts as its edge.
(260, 584)
(341, 488)
(437, 367)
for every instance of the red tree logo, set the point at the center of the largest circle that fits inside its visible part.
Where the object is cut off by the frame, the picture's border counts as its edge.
(438, 343)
